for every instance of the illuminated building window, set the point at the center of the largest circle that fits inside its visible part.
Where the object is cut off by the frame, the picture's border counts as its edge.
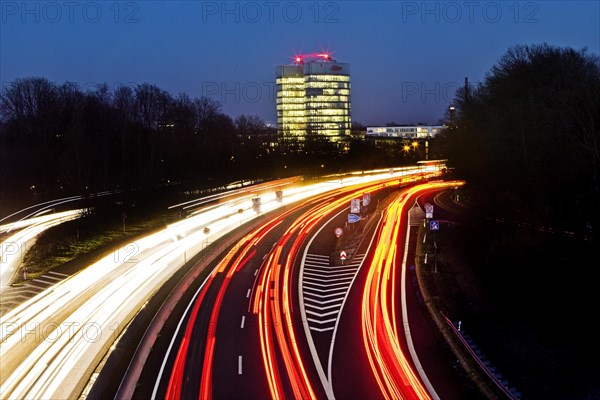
(313, 98)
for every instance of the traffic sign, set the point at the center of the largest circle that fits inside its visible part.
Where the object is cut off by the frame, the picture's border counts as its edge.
(355, 206)
(343, 255)
(428, 208)
(366, 199)
(338, 232)
(352, 218)
(434, 225)
(256, 204)
(428, 215)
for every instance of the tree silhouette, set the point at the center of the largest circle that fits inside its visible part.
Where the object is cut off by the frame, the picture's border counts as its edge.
(528, 135)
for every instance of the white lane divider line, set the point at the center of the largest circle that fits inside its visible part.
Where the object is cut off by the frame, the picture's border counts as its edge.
(239, 365)
(243, 320)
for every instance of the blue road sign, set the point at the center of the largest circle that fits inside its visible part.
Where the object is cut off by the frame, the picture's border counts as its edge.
(434, 225)
(352, 218)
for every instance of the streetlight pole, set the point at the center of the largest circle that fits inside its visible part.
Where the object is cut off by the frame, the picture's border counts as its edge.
(434, 254)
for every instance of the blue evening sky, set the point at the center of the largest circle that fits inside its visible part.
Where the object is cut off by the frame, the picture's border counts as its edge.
(406, 57)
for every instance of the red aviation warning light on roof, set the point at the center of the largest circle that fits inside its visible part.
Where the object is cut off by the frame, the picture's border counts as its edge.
(299, 58)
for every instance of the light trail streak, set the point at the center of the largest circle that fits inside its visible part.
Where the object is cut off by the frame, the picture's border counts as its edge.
(38, 361)
(390, 366)
(13, 249)
(249, 242)
(50, 202)
(279, 310)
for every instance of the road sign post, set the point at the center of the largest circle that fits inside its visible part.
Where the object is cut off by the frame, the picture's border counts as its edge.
(343, 256)
(434, 254)
(434, 226)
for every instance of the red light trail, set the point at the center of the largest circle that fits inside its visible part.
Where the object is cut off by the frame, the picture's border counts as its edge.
(391, 368)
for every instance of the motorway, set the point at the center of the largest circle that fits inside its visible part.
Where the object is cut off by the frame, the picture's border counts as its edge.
(51, 343)
(280, 317)
(394, 334)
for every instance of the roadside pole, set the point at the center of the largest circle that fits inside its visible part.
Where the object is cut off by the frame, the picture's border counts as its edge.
(434, 254)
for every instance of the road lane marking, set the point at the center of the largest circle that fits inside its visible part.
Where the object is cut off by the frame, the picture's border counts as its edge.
(43, 281)
(243, 320)
(330, 269)
(329, 275)
(309, 286)
(323, 308)
(407, 334)
(313, 296)
(325, 314)
(31, 285)
(248, 293)
(172, 342)
(239, 365)
(58, 273)
(256, 272)
(337, 322)
(316, 321)
(331, 282)
(312, 328)
(313, 351)
(52, 278)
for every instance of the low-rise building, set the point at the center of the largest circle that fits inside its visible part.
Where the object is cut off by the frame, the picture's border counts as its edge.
(404, 132)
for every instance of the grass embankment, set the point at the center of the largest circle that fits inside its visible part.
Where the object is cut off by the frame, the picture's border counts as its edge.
(94, 235)
(442, 293)
(516, 292)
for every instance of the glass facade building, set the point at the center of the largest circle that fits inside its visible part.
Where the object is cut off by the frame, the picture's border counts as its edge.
(313, 100)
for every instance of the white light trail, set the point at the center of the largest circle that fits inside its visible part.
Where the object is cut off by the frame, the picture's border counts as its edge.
(47, 348)
(13, 249)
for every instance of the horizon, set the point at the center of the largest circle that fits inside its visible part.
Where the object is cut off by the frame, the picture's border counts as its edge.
(400, 69)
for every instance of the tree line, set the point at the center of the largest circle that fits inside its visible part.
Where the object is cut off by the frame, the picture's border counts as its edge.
(59, 137)
(58, 140)
(527, 138)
